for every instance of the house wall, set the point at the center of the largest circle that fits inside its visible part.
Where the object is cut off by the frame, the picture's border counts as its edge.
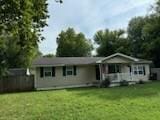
(126, 69)
(142, 77)
(85, 76)
(117, 59)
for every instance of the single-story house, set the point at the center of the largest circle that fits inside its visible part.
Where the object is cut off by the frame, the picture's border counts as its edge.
(64, 72)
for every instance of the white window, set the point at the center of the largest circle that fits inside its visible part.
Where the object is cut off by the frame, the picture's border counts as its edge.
(47, 71)
(138, 70)
(135, 70)
(69, 70)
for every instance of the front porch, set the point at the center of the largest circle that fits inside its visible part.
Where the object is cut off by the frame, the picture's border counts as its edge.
(118, 68)
(118, 77)
(117, 73)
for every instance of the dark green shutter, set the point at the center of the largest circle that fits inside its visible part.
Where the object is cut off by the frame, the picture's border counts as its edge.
(144, 70)
(130, 69)
(75, 70)
(53, 71)
(41, 72)
(64, 70)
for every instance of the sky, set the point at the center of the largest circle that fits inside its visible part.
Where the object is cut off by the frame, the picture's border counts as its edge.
(89, 16)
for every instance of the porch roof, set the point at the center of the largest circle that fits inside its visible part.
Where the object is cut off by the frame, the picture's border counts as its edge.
(131, 59)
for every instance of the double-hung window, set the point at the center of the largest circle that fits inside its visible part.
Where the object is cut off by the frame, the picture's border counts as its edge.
(139, 70)
(47, 71)
(69, 70)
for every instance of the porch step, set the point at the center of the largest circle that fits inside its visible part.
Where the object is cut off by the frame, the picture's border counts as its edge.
(117, 83)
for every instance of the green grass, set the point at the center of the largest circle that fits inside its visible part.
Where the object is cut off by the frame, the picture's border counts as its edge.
(139, 102)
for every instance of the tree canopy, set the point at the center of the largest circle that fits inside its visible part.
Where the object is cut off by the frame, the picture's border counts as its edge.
(144, 34)
(49, 55)
(135, 35)
(22, 21)
(110, 42)
(72, 44)
(143, 38)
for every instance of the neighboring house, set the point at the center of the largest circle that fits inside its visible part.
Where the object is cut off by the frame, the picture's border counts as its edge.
(63, 72)
(155, 73)
(18, 72)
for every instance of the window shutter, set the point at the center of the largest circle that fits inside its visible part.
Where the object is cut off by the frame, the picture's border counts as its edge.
(41, 72)
(97, 72)
(144, 70)
(53, 71)
(75, 70)
(64, 70)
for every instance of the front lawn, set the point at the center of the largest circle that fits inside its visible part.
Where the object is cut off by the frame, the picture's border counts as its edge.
(139, 102)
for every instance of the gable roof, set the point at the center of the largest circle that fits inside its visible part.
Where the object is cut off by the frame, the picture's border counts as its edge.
(61, 61)
(133, 59)
(119, 54)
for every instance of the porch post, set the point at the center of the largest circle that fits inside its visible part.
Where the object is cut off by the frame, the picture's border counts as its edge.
(131, 72)
(118, 76)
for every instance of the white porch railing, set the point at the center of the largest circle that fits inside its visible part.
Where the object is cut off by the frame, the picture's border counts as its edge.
(117, 77)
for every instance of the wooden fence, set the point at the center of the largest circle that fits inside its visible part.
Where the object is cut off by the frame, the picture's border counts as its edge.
(16, 83)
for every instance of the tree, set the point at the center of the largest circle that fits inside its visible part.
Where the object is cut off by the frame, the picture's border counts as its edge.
(24, 20)
(72, 44)
(3, 63)
(49, 55)
(151, 47)
(157, 8)
(110, 42)
(144, 34)
(135, 31)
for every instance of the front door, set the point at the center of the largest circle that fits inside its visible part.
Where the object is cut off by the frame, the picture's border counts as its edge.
(97, 72)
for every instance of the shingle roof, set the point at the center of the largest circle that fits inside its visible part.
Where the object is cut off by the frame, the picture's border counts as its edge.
(17, 72)
(60, 61)
(143, 61)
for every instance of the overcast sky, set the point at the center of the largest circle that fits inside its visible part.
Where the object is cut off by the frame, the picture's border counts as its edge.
(88, 16)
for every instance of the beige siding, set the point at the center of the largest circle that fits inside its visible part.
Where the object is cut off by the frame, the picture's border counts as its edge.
(85, 75)
(125, 68)
(143, 77)
(117, 59)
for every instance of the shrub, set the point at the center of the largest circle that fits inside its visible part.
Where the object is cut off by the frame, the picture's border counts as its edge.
(153, 76)
(106, 83)
(141, 82)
